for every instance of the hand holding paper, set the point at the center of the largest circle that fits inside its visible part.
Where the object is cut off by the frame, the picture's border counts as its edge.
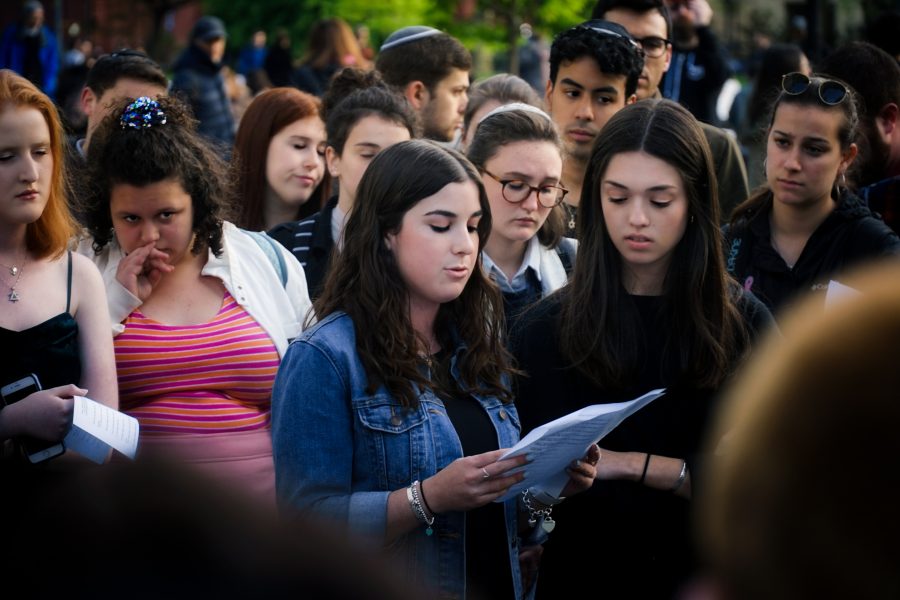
(96, 428)
(552, 446)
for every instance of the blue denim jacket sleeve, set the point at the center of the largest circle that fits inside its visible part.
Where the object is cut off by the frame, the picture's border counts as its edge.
(312, 438)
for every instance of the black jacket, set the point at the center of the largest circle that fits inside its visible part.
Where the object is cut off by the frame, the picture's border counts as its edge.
(850, 236)
(200, 83)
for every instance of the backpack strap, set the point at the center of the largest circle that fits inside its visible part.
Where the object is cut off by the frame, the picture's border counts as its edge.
(566, 251)
(267, 245)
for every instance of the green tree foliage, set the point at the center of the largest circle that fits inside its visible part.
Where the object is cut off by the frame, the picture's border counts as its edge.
(491, 25)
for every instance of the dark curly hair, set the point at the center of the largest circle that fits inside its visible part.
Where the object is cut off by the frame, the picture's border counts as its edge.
(141, 157)
(614, 54)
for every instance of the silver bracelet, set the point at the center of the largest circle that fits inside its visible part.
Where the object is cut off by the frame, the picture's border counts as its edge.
(545, 498)
(548, 524)
(415, 503)
(681, 477)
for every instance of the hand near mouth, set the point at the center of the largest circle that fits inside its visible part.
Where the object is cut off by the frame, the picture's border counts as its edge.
(141, 270)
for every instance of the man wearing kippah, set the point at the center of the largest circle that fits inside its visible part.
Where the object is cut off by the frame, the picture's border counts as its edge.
(594, 70)
(431, 69)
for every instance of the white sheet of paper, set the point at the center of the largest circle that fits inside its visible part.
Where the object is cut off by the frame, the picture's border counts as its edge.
(838, 291)
(96, 428)
(552, 446)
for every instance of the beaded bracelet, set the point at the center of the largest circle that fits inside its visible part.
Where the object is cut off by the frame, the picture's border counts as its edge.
(548, 524)
(415, 503)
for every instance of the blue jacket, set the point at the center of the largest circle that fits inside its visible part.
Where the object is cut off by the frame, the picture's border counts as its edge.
(200, 83)
(12, 56)
(341, 451)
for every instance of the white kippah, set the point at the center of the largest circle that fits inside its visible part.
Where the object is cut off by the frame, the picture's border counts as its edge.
(516, 106)
(408, 34)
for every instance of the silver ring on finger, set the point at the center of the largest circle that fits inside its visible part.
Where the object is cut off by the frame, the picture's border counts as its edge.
(486, 474)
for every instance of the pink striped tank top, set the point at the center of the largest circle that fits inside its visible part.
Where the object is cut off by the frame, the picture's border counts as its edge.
(210, 378)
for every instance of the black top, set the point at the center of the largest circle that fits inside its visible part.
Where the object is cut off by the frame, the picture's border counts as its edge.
(48, 349)
(309, 240)
(635, 539)
(488, 573)
(850, 236)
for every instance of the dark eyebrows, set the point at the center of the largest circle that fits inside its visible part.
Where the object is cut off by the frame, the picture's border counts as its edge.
(371, 145)
(451, 215)
(656, 188)
(807, 139)
(572, 82)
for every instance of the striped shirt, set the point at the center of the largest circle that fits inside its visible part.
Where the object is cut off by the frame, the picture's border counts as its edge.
(209, 378)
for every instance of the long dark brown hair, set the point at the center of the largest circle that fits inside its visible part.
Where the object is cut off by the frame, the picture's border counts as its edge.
(365, 282)
(599, 322)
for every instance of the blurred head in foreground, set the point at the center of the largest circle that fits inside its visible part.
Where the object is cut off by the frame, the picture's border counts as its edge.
(803, 493)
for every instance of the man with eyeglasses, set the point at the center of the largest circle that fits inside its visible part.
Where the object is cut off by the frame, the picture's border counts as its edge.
(649, 24)
(594, 70)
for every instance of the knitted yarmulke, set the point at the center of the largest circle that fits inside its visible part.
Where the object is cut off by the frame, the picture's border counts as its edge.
(408, 34)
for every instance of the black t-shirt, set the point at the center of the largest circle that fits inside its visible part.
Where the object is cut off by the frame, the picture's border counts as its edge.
(488, 573)
(639, 539)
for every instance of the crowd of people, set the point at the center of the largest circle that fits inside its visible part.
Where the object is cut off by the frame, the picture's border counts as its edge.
(342, 306)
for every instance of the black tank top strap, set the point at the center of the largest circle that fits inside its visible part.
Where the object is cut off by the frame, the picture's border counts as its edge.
(69, 283)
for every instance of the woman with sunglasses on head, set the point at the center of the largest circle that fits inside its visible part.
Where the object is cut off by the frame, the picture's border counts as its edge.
(519, 153)
(805, 227)
(649, 306)
(391, 413)
(202, 311)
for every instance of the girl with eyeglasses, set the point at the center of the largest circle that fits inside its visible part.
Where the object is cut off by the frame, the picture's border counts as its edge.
(649, 306)
(805, 227)
(518, 151)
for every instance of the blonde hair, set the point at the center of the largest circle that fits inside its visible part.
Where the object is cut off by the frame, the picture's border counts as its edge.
(51, 233)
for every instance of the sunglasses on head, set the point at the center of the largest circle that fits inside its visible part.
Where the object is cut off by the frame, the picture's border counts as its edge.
(831, 92)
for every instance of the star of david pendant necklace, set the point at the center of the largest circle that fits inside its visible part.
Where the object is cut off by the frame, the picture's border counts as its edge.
(16, 272)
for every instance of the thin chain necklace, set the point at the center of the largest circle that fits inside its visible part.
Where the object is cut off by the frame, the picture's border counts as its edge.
(572, 212)
(14, 271)
(13, 295)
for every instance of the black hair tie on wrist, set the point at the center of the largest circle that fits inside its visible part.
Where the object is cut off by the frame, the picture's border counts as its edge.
(646, 464)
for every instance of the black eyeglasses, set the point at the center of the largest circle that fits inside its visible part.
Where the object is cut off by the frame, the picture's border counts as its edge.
(831, 92)
(653, 46)
(516, 191)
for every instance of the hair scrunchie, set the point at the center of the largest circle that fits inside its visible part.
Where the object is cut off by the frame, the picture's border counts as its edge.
(143, 113)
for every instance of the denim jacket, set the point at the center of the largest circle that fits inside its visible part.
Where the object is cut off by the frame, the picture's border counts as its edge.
(341, 451)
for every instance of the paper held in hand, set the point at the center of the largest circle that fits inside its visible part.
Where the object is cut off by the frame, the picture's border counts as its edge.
(96, 428)
(554, 445)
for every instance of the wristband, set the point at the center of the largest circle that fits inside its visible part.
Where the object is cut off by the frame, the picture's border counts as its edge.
(415, 503)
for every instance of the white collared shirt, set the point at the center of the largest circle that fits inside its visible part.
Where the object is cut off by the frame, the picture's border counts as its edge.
(519, 281)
